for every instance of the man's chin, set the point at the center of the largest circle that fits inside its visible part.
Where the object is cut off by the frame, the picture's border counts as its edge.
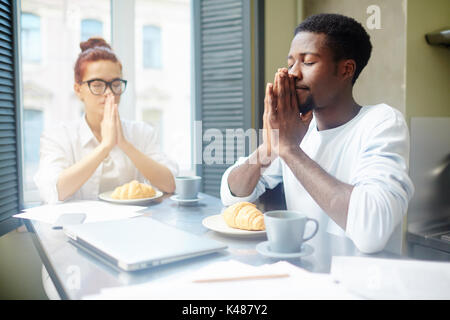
(304, 102)
(305, 108)
(307, 105)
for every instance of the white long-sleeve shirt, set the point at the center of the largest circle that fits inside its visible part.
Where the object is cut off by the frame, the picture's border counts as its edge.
(370, 152)
(67, 143)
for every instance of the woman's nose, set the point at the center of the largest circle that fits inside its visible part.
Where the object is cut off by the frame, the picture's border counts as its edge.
(108, 91)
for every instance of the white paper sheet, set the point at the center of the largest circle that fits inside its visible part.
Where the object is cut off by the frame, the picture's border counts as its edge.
(95, 211)
(300, 284)
(377, 278)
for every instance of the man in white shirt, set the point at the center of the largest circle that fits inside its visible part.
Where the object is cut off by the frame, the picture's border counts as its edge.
(340, 163)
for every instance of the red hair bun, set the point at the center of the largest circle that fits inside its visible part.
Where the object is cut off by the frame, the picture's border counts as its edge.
(94, 49)
(94, 42)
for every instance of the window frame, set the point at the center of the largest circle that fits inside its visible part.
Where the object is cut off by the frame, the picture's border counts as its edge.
(211, 174)
(11, 223)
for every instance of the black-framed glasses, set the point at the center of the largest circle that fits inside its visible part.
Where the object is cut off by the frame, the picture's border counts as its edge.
(98, 86)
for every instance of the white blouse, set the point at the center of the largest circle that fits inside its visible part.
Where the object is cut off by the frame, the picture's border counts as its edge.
(67, 143)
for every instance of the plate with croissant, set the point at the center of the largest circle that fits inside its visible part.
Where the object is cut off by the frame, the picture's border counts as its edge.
(242, 219)
(131, 193)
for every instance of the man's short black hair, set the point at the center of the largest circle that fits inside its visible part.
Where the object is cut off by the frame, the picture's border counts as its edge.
(346, 37)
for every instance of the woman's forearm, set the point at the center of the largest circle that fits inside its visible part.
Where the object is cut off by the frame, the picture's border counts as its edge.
(158, 175)
(72, 179)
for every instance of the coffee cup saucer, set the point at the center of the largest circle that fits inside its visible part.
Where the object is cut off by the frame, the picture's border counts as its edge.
(263, 248)
(185, 201)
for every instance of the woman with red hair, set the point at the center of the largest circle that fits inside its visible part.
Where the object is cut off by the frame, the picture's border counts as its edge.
(100, 151)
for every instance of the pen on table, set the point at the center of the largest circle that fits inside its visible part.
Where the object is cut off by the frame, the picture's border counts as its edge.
(260, 277)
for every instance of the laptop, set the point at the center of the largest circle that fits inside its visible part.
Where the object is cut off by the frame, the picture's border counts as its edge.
(139, 243)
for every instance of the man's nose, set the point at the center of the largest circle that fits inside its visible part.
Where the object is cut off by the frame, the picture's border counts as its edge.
(296, 71)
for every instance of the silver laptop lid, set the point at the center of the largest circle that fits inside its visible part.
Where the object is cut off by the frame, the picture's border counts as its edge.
(138, 243)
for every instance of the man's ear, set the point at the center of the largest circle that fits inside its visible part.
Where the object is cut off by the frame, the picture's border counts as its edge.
(347, 68)
(77, 89)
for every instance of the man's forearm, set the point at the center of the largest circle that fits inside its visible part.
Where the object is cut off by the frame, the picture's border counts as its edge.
(332, 195)
(243, 179)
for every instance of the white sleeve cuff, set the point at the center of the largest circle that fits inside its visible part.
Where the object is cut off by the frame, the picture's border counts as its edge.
(47, 185)
(225, 193)
(271, 176)
(228, 198)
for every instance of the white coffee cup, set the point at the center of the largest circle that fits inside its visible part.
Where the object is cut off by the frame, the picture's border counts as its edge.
(285, 230)
(187, 187)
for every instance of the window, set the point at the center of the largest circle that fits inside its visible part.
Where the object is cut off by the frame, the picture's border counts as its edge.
(33, 123)
(91, 28)
(31, 37)
(222, 78)
(163, 90)
(48, 96)
(152, 47)
(11, 200)
(158, 98)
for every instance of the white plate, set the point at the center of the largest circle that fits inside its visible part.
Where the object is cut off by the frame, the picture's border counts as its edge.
(106, 196)
(216, 223)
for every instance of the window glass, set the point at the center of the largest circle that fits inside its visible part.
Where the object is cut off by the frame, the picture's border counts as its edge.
(162, 92)
(151, 47)
(51, 33)
(163, 78)
(31, 37)
(32, 129)
(91, 28)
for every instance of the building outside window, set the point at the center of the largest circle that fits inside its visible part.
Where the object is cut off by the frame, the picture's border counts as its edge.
(54, 29)
(91, 28)
(151, 47)
(51, 35)
(32, 124)
(31, 37)
(163, 74)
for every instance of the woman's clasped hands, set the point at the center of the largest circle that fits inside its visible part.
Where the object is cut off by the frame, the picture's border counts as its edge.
(111, 126)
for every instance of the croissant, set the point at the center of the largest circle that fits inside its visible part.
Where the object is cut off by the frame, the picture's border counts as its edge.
(133, 190)
(244, 215)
